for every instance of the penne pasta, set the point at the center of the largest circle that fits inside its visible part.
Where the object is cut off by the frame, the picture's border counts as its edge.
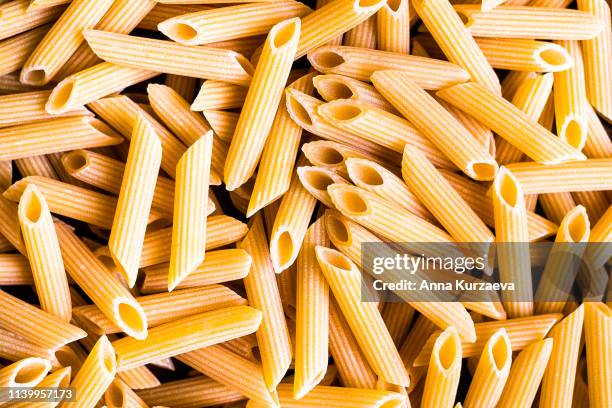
(62, 40)
(454, 39)
(245, 20)
(312, 314)
(359, 63)
(262, 292)
(15, 270)
(28, 372)
(14, 347)
(422, 329)
(525, 55)
(398, 316)
(135, 198)
(57, 379)
(15, 51)
(491, 373)
(525, 375)
(263, 96)
(529, 22)
(184, 86)
(93, 83)
(362, 35)
(170, 58)
(44, 255)
(332, 87)
(223, 123)
(55, 135)
(188, 126)
(9, 225)
(443, 372)
(429, 117)
(189, 222)
(597, 61)
(510, 123)
(102, 287)
(215, 95)
(393, 27)
(333, 155)
(559, 377)
(119, 395)
(95, 375)
(597, 329)
(279, 154)
(16, 18)
(363, 317)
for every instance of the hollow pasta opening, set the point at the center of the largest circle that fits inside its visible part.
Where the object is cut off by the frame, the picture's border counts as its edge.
(181, 31)
(284, 246)
(31, 372)
(574, 134)
(34, 76)
(328, 59)
(500, 353)
(109, 360)
(131, 317)
(333, 89)
(368, 3)
(391, 404)
(508, 190)
(484, 171)
(285, 33)
(447, 352)
(554, 57)
(318, 179)
(335, 258)
(75, 161)
(394, 5)
(342, 111)
(365, 174)
(65, 356)
(337, 229)
(61, 95)
(352, 201)
(577, 226)
(65, 381)
(114, 396)
(33, 209)
(329, 156)
(298, 110)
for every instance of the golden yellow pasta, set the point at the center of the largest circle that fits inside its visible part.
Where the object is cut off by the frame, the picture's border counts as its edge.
(362, 35)
(393, 27)
(443, 372)
(44, 254)
(262, 292)
(119, 395)
(219, 95)
(189, 221)
(597, 329)
(16, 18)
(361, 63)
(332, 87)
(194, 391)
(170, 58)
(28, 372)
(15, 51)
(430, 118)
(57, 379)
(525, 55)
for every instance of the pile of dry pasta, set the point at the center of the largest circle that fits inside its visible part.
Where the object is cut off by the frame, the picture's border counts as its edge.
(186, 186)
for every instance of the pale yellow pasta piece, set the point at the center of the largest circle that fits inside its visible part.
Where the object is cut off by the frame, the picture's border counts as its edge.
(449, 32)
(62, 40)
(562, 264)
(312, 314)
(587, 175)
(93, 83)
(15, 18)
(597, 54)
(491, 373)
(529, 22)
(163, 12)
(531, 96)
(28, 372)
(570, 99)
(434, 121)
(398, 316)
(362, 35)
(219, 95)
(189, 222)
(121, 113)
(373, 177)
(192, 391)
(223, 123)
(522, 332)
(419, 333)
(556, 205)
(41, 4)
(44, 254)
(361, 63)
(95, 375)
(512, 235)
(560, 374)
(303, 110)
(525, 375)
(263, 97)
(513, 80)
(279, 154)
(510, 123)
(333, 19)
(104, 289)
(595, 202)
(119, 395)
(443, 372)
(446, 205)
(15, 270)
(525, 54)
(227, 23)
(22, 108)
(57, 379)
(393, 27)
(481, 133)
(581, 390)
(317, 179)
(188, 126)
(333, 155)
(220, 230)
(135, 198)
(55, 135)
(332, 87)
(6, 177)
(15, 51)
(15, 347)
(170, 58)
(380, 127)
(184, 86)
(598, 333)
(363, 317)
